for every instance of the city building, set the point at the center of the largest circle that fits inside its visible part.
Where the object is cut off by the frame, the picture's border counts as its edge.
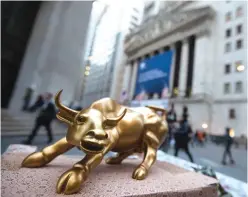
(208, 72)
(104, 57)
(43, 44)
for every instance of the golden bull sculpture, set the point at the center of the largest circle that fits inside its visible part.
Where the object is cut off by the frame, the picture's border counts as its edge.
(104, 126)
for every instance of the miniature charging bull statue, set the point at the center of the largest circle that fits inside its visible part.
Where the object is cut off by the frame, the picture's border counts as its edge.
(104, 126)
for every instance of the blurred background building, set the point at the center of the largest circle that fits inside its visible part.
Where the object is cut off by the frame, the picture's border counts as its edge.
(43, 44)
(208, 71)
(111, 21)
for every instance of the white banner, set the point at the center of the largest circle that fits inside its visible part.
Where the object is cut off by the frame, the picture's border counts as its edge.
(159, 103)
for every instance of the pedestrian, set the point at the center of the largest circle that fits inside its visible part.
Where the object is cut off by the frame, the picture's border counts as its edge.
(171, 120)
(228, 144)
(183, 135)
(44, 118)
(27, 98)
(38, 103)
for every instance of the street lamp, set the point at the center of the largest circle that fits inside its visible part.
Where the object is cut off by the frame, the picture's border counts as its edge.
(90, 57)
(86, 73)
(240, 68)
(204, 126)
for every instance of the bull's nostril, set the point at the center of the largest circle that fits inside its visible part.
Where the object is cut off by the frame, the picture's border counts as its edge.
(106, 136)
(91, 133)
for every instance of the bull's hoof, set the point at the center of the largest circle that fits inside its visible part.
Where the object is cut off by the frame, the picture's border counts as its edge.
(113, 161)
(70, 181)
(34, 160)
(140, 173)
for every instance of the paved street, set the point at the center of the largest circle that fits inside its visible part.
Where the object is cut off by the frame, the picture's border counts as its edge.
(211, 155)
(208, 155)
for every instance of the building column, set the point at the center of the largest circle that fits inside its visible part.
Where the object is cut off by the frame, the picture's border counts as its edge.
(133, 80)
(54, 56)
(127, 78)
(172, 70)
(200, 69)
(183, 67)
(178, 51)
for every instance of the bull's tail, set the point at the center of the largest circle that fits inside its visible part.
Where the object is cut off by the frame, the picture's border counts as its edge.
(156, 109)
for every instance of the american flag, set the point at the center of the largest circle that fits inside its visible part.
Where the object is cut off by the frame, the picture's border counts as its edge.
(141, 96)
(165, 92)
(123, 96)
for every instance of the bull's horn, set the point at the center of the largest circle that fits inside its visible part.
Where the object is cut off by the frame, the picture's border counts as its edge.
(115, 120)
(63, 107)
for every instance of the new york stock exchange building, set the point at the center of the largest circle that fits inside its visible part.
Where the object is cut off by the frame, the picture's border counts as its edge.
(191, 54)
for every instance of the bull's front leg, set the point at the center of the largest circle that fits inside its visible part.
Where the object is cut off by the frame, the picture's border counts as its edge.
(43, 157)
(71, 180)
(150, 155)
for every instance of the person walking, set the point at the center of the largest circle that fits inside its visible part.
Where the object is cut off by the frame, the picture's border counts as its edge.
(228, 144)
(27, 98)
(171, 119)
(38, 103)
(183, 136)
(45, 118)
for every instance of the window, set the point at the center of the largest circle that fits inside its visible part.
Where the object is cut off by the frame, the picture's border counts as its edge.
(238, 87)
(227, 68)
(135, 9)
(228, 47)
(134, 18)
(239, 12)
(228, 33)
(239, 44)
(227, 88)
(228, 16)
(232, 114)
(239, 67)
(239, 29)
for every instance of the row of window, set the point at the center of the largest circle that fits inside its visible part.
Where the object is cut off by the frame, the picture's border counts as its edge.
(238, 13)
(239, 45)
(239, 67)
(238, 87)
(239, 29)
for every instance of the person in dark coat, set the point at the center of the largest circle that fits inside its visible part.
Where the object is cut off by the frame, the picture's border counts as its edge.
(171, 119)
(182, 139)
(38, 103)
(45, 118)
(228, 144)
(27, 99)
(183, 135)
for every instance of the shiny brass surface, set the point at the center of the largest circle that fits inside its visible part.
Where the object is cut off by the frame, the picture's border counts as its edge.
(104, 126)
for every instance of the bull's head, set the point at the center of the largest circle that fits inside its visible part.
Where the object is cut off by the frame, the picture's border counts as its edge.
(87, 129)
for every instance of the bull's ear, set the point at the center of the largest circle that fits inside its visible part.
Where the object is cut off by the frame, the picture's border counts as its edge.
(115, 120)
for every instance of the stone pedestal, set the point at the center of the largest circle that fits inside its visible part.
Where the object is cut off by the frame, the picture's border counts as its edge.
(164, 179)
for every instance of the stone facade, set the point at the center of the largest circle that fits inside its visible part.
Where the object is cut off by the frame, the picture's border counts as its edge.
(206, 22)
(54, 55)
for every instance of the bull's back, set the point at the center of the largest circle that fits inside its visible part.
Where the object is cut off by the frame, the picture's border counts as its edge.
(153, 122)
(131, 130)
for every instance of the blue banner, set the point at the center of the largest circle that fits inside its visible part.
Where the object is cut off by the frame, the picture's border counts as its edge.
(153, 77)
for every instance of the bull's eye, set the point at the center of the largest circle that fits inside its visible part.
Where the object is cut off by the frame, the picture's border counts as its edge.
(81, 119)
